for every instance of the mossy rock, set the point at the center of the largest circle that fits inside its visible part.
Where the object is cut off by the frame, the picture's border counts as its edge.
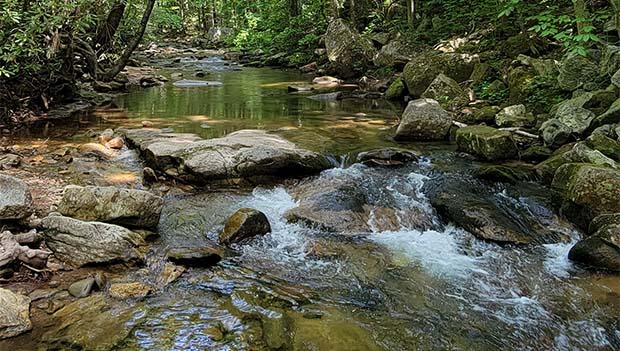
(397, 90)
(520, 81)
(486, 143)
(506, 173)
(607, 146)
(611, 116)
(420, 72)
(575, 71)
(244, 224)
(536, 153)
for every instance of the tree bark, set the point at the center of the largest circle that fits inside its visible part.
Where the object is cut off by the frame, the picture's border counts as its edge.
(582, 15)
(294, 8)
(411, 9)
(107, 29)
(615, 4)
(122, 61)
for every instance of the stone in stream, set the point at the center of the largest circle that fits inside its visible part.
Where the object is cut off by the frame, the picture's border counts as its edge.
(15, 198)
(475, 208)
(335, 96)
(196, 257)
(14, 314)
(80, 243)
(572, 153)
(82, 288)
(589, 190)
(244, 224)
(388, 157)
(602, 249)
(486, 143)
(186, 83)
(245, 154)
(128, 207)
(424, 119)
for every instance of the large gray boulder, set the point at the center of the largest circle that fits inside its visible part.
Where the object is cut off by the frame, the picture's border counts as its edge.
(555, 133)
(572, 153)
(611, 116)
(447, 92)
(574, 114)
(14, 314)
(245, 154)
(575, 71)
(486, 143)
(348, 51)
(15, 198)
(128, 207)
(424, 119)
(396, 53)
(514, 116)
(81, 243)
(423, 69)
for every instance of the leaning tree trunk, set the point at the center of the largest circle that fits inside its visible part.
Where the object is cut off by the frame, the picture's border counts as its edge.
(294, 7)
(107, 29)
(411, 9)
(581, 14)
(615, 4)
(122, 61)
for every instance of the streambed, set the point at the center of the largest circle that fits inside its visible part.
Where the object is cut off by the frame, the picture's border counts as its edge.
(417, 285)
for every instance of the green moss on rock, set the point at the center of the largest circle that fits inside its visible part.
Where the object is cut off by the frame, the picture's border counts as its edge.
(486, 143)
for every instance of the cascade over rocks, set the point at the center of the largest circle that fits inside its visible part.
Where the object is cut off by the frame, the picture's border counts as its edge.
(128, 207)
(245, 154)
(14, 314)
(244, 224)
(420, 72)
(15, 198)
(424, 119)
(85, 243)
(348, 51)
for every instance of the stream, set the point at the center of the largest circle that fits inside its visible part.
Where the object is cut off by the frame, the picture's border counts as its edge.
(419, 285)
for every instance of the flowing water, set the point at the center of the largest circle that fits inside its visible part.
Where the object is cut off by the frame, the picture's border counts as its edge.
(420, 287)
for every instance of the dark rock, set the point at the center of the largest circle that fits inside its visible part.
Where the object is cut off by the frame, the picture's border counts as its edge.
(149, 176)
(607, 146)
(536, 153)
(244, 224)
(506, 173)
(600, 250)
(387, 157)
(575, 70)
(195, 257)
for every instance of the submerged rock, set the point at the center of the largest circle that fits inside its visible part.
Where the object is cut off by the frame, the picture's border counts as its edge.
(129, 207)
(601, 249)
(244, 224)
(195, 257)
(186, 83)
(88, 324)
(487, 143)
(14, 314)
(15, 198)
(245, 154)
(424, 119)
(478, 210)
(81, 243)
(124, 291)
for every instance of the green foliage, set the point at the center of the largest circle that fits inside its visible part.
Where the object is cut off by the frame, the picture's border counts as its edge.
(544, 93)
(490, 91)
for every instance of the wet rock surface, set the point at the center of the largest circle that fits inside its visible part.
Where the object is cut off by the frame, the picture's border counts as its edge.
(81, 243)
(243, 154)
(195, 256)
(128, 207)
(486, 142)
(600, 250)
(424, 119)
(243, 225)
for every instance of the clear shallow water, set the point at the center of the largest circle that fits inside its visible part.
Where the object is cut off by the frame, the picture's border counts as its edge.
(299, 288)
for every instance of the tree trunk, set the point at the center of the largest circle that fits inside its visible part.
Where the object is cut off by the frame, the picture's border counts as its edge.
(411, 9)
(107, 29)
(294, 8)
(122, 61)
(581, 14)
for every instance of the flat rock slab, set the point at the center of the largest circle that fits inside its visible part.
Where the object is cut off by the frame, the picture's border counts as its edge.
(186, 83)
(128, 207)
(14, 314)
(86, 243)
(245, 154)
